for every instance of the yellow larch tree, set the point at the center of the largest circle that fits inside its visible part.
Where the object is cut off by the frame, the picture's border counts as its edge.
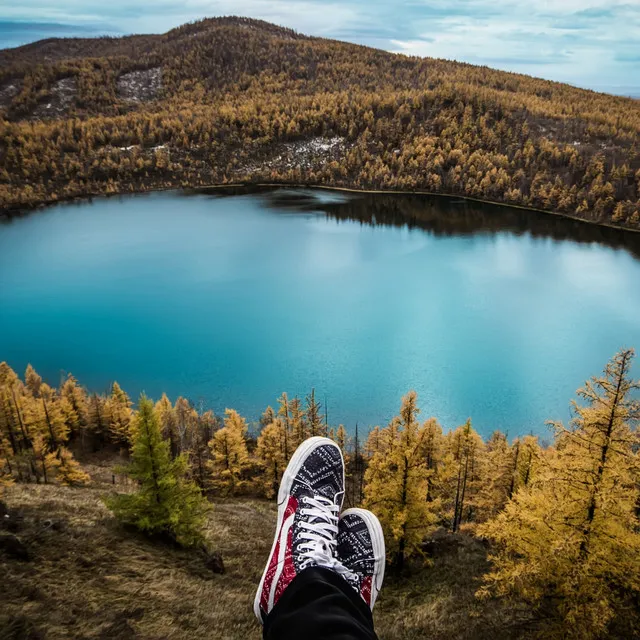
(340, 438)
(569, 542)
(230, 457)
(289, 445)
(396, 483)
(463, 462)
(499, 476)
(119, 415)
(373, 443)
(297, 425)
(75, 407)
(270, 453)
(433, 455)
(315, 422)
(168, 424)
(529, 460)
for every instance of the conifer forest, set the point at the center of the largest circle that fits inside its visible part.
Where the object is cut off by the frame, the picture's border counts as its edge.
(234, 100)
(561, 517)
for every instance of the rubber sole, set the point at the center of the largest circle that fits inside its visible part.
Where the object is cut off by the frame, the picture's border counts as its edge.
(379, 550)
(298, 458)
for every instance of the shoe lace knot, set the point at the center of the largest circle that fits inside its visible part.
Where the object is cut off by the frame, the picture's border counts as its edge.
(318, 536)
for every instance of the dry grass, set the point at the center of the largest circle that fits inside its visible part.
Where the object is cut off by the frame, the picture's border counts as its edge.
(90, 578)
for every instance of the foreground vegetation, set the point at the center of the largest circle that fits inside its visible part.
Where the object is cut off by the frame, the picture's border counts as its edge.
(562, 522)
(87, 577)
(233, 99)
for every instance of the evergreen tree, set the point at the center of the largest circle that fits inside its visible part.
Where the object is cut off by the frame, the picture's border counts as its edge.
(570, 539)
(166, 502)
(396, 483)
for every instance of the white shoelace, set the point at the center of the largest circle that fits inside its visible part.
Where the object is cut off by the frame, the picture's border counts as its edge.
(320, 536)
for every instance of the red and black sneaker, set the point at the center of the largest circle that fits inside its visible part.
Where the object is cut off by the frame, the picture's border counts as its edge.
(309, 503)
(361, 551)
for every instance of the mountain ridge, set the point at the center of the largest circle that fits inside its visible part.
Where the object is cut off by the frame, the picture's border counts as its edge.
(222, 96)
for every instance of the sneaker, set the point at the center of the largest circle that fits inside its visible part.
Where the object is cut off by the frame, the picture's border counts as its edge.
(309, 502)
(361, 551)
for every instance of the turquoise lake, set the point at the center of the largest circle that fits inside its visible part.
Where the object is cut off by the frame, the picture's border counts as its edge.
(230, 298)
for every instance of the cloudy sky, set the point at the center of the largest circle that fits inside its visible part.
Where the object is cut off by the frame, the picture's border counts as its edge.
(589, 43)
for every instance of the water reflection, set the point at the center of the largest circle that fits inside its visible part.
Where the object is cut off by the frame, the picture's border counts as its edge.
(441, 216)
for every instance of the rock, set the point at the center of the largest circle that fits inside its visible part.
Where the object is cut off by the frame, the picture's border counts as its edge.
(120, 629)
(214, 562)
(11, 520)
(441, 542)
(14, 547)
(136, 613)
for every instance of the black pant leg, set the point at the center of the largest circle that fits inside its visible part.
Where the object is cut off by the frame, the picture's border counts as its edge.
(319, 605)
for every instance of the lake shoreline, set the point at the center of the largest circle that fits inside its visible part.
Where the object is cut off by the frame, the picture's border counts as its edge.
(8, 213)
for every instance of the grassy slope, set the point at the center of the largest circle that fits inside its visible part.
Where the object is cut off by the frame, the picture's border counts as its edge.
(90, 578)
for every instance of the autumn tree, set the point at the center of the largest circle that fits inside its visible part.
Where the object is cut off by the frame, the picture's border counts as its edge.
(168, 424)
(230, 457)
(202, 432)
(166, 503)
(463, 468)
(315, 422)
(270, 453)
(500, 475)
(396, 483)
(569, 541)
(75, 407)
(119, 415)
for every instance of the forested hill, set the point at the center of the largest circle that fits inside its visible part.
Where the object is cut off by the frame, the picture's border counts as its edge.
(233, 99)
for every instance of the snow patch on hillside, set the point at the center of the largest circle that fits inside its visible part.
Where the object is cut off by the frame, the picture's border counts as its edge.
(301, 154)
(140, 86)
(61, 97)
(7, 92)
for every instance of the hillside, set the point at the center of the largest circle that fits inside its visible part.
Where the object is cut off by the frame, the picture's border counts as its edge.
(239, 100)
(87, 577)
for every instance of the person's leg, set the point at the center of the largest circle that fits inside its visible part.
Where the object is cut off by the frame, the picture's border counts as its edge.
(319, 604)
(306, 591)
(309, 501)
(361, 550)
